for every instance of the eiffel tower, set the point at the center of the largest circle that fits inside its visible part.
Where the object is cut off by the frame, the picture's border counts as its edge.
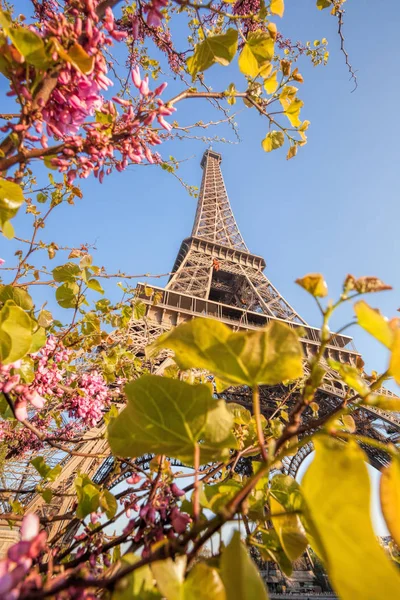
(214, 276)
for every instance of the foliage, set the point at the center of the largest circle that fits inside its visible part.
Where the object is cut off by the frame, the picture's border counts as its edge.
(74, 389)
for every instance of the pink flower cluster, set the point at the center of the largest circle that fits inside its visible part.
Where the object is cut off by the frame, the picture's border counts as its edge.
(90, 398)
(10, 382)
(160, 517)
(154, 14)
(20, 440)
(14, 568)
(130, 135)
(49, 372)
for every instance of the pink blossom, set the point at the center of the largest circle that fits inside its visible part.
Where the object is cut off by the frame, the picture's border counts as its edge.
(2, 261)
(29, 527)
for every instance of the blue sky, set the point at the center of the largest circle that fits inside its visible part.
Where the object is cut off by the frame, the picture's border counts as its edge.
(333, 209)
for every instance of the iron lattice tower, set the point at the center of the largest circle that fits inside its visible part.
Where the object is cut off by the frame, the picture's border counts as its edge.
(214, 276)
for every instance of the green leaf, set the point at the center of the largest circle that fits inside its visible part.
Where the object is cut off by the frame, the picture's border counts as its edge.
(240, 575)
(44, 470)
(273, 140)
(66, 295)
(214, 49)
(216, 497)
(88, 496)
(336, 488)
(108, 503)
(314, 284)
(139, 309)
(285, 497)
(18, 295)
(38, 340)
(168, 416)
(351, 376)
(47, 495)
(93, 284)
(45, 318)
(376, 324)
(68, 272)
(257, 52)
(203, 583)
(169, 575)
(15, 333)
(390, 498)
(138, 585)
(27, 42)
(272, 550)
(11, 198)
(266, 356)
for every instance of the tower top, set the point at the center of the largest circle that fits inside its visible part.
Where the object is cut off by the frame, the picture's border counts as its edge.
(214, 220)
(212, 154)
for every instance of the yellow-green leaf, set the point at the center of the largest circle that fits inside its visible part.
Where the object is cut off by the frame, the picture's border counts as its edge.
(314, 284)
(169, 575)
(285, 501)
(383, 402)
(168, 416)
(293, 112)
(257, 52)
(390, 498)
(271, 84)
(138, 585)
(287, 96)
(376, 324)
(351, 377)
(11, 198)
(203, 583)
(394, 365)
(15, 333)
(214, 49)
(241, 577)
(277, 7)
(336, 488)
(273, 140)
(266, 356)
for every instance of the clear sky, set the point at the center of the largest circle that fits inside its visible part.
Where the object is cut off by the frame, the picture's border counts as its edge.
(333, 209)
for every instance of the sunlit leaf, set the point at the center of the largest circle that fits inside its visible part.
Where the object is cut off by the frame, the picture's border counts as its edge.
(17, 295)
(44, 470)
(138, 585)
(272, 550)
(376, 324)
(336, 488)
(88, 496)
(390, 498)
(394, 365)
(257, 52)
(351, 376)
(285, 497)
(15, 333)
(214, 49)
(11, 198)
(314, 283)
(273, 140)
(168, 416)
(241, 577)
(277, 7)
(203, 583)
(95, 285)
(68, 272)
(293, 112)
(66, 295)
(271, 84)
(169, 575)
(266, 356)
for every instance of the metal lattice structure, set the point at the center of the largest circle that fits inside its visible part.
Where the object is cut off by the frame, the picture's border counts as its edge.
(214, 276)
